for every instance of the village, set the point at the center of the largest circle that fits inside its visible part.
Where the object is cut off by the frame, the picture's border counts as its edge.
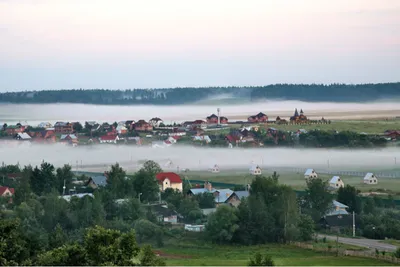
(215, 130)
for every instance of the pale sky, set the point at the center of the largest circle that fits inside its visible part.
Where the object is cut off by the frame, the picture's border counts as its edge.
(122, 44)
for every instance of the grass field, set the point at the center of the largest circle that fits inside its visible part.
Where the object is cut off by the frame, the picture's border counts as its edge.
(367, 126)
(295, 180)
(392, 242)
(283, 255)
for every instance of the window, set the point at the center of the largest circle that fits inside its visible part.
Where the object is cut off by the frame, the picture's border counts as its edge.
(370, 181)
(337, 185)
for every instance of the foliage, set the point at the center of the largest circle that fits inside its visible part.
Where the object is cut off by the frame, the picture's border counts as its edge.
(222, 224)
(348, 196)
(259, 260)
(306, 227)
(205, 200)
(148, 258)
(317, 200)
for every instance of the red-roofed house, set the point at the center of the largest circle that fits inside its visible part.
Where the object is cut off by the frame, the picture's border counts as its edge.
(6, 191)
(108, 139)
(169, 180)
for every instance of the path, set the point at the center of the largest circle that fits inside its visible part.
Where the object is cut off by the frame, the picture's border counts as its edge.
(362, 242)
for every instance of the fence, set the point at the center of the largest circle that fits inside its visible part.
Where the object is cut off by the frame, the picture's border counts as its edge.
(333, 172)
(353, 253)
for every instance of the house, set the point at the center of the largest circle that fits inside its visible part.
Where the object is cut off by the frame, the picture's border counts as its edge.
(214, 169)
(70, 139)
(97, 181)
(213, 119)
(392, 134)
(143, 126)
(255, 170)
(310, 173)
(260, 117)
(110, 139)
(63, 127)
(121, 129)
(14, 129)
(202, 138)
(6, 191)
(23, 136)
(155, 122)
(206, 189)
(336, 182)
(46, 136)
(236, 198)
(45, 125)
(165, 214)
(337, 208)
(169, 180)
(337, 222)
(222, 196)
(199, 124)
(370, 178)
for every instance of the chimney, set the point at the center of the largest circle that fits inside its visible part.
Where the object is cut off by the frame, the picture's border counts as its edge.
(208, 186)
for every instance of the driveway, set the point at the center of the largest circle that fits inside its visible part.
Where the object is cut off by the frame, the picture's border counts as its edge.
(362, 242)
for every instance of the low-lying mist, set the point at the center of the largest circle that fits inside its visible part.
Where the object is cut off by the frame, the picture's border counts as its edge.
(99, 158)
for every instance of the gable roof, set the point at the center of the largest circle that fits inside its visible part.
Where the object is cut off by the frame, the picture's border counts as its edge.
(156, 119)
(369, 176)
(334, 180)
(222, 195)
(212, 116)
(3, 189)
(99, 180)
(172, 177)
(64, 136)
(254, 167)
(196, 191)
(338, 204)
(309, 171)
(108, 137)
(24, 136)
(163, 210)
(241, 194)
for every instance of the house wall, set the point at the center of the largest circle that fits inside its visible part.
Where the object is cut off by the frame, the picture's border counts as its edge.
(338, 184)
(234, 201)
(171, 219)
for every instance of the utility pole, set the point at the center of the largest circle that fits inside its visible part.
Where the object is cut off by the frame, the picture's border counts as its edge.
(354, 225)
(139, 197)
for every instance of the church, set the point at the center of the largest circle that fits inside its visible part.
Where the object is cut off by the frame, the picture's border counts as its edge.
(298, 118)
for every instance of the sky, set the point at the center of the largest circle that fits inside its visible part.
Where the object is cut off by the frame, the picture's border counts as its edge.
(126, 44)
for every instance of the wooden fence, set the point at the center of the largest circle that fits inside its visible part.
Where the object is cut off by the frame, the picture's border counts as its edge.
(353, 253)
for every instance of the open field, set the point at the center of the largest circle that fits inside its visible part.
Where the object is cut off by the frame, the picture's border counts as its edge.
(283, 255)
(295, 180)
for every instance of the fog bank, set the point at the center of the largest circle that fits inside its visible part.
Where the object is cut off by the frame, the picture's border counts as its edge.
(35, 113)
(130, 157)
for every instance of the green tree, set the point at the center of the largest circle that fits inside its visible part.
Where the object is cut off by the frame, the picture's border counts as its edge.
(205, 200)
(58, 237)
(66, 255)
(259, 260)
(317, 200)
(12, 243)
(23, 190)
(145, 229)
(348, 195)
(77, 127)
(306, 227)
(116, 180)
(151, 167)
(64, 174)
(222, 225)
(145, 183)
(148, 258)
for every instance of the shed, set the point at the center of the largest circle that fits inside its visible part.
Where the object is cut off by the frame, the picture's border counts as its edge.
(310, 173)
(370, 178)
(255, 170)
(336, 182)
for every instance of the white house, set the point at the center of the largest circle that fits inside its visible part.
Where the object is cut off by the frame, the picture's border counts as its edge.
(155, 122)
(121, 129)
(109, 139)
(255, 170)
(370, 178)
(336, 182)
(44, 125)
(214, 169)
(310, 173)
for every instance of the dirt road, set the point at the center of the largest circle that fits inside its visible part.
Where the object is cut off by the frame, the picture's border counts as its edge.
(362, 242)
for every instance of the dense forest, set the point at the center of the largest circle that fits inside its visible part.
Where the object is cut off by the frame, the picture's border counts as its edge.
(173, 96)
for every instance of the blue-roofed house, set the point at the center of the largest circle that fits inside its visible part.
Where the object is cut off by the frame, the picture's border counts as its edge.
(338, 209)
(336, 182)
(97, 181)
(237, 197)
(310, 173)
(222, 196)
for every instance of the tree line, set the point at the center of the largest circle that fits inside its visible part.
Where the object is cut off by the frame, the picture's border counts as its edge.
(173, 96)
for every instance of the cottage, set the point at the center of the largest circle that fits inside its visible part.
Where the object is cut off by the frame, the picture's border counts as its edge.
(336, 182)
(255, 170)
(337, 208)
(6, 191)
(63, 127)
(370, 178)
(155, 122)
(310, 173)
(236, 197)
(97, 181)
(70, 139)
(111, 139)
(169, 180)
(260, 117)
(165, 214)
(143, 126)
(23, 137)
(222, 196)
(214, 169)
(213, 119)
